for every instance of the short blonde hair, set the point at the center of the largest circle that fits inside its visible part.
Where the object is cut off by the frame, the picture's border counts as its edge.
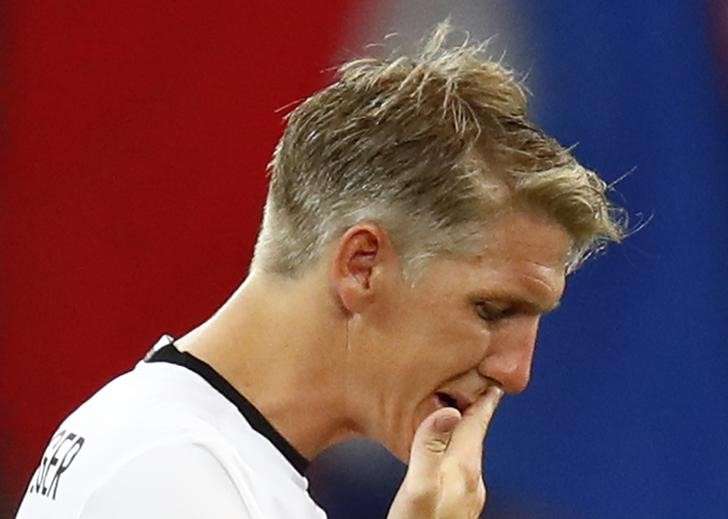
(421, 145)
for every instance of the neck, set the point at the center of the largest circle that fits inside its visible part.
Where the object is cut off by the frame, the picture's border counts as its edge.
(281, 343)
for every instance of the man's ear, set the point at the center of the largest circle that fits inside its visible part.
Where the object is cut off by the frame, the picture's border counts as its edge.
(359, 260)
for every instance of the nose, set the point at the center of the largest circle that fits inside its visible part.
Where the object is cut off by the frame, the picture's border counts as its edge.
(510, 353)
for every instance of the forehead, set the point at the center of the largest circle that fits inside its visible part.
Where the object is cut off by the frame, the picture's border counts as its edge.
(523, 256)
(525, 236)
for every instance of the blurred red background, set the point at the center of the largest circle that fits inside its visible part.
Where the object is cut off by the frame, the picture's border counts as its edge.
(135, 141)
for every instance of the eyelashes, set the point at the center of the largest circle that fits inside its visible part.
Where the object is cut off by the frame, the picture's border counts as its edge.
(490, 311)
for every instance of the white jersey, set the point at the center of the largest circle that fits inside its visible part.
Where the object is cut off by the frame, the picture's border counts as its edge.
(171, 438)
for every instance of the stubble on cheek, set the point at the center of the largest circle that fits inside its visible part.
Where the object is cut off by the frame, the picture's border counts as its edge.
(397, 430)
(408, 428)
(404, 447)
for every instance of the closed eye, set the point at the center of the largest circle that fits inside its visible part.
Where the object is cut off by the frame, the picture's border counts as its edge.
(491, 311)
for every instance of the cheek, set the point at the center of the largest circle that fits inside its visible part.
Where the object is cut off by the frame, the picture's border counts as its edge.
(448, 347)
(422, 343)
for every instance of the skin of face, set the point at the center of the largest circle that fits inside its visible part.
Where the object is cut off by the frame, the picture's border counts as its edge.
(465, 325)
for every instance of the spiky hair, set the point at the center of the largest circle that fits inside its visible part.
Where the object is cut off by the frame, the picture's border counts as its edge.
(430, 146)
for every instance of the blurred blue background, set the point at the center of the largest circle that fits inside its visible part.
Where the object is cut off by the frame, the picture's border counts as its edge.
(627, 412)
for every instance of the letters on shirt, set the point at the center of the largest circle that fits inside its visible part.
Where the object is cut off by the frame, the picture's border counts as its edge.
(62, 450)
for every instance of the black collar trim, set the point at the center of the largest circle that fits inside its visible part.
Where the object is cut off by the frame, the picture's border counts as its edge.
(255, 418)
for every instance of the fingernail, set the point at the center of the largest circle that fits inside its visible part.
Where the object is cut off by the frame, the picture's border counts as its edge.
(497, 393)
(445, 424)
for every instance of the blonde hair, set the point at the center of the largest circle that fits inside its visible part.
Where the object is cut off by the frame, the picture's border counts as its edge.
(423, 146)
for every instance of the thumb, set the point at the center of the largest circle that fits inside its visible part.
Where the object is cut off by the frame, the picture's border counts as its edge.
(430, 442)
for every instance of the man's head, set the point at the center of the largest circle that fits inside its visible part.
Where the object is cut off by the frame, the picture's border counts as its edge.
(444, 223)
(466, 324)
(430, 147)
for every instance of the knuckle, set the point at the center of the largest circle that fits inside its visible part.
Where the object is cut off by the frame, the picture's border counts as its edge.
(436, 445)
(466, 474)
(421, 494)
(460, 504)
(471, 478)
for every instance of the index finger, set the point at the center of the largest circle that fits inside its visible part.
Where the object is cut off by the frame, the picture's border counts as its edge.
(467, 438)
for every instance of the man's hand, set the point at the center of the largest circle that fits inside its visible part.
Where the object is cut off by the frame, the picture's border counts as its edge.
(444, 479)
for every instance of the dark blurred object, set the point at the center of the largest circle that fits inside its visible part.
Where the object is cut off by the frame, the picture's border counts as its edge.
(719, 22)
